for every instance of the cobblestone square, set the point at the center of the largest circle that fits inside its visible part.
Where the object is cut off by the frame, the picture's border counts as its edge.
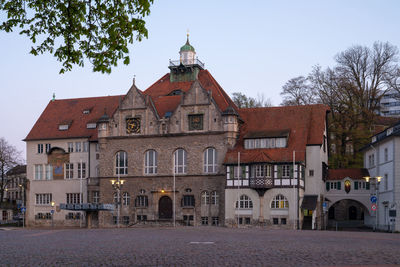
(201, 246)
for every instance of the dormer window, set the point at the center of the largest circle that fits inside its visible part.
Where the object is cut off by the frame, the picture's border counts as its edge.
(91, 125)
(63, 127)
(86, 111)
(271, 142)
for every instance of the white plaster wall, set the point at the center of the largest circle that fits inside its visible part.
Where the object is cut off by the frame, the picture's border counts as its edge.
(58, 188)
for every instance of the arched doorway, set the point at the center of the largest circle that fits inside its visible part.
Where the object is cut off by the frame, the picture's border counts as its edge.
(352, 213)
(165, 208)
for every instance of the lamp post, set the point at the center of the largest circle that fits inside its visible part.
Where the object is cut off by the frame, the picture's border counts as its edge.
(23, 204)
(52, 213)
(117, 185)
(376, 180)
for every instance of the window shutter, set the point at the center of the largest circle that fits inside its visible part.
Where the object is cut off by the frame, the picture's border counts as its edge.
(228, 174)
(291, 171)
(136, 204)
(279, 171)
(339, 184)
(146, 201)
(182, 201)
(247, 172)
(355, 185)
(327, 186)
(367, 186)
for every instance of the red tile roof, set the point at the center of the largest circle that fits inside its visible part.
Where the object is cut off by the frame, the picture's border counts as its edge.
(71, 111)
(340, 174)
(305, 125)
(163, 87)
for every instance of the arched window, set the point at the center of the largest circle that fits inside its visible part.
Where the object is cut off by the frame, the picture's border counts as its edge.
(210, 160)
(244, 202)
(180, 161)
(280, 202)
(150, 162)
(205, 198)
(126, 199)
(214, 198)
(121, 163)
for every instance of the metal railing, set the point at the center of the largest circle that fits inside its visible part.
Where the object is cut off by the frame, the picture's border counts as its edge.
(176, 63)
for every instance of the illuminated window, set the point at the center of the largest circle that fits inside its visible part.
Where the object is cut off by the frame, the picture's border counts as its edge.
(280, 202)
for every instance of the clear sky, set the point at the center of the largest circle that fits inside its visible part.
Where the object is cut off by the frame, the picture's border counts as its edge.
(249, 46)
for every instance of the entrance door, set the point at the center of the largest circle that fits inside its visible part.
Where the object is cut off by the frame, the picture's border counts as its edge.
(352, 213)
(165, 208)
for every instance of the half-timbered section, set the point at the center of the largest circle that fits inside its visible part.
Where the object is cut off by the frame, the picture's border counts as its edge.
(275, 173)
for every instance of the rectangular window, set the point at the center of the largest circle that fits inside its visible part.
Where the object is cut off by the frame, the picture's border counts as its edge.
(215, 221)
(196, 122)
(204, 220)
(386, 154)
(311, 172)
(188, 201)
(69, 170)
(40, 148)
(283, 220)
(43, 199)
(70, 147)
(275, 220)
(141, 218)
(48, 147)
(125, 220)
(38, 172)
(78, 147)
(285, 171)
(85, 146)
(385, 181)
(49, 172)
(150, 162)
(73, 198)
(81, 170)
(97, 147)
(115, 219)
(96, 197)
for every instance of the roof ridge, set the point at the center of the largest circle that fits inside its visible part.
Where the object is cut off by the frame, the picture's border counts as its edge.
(218, 87)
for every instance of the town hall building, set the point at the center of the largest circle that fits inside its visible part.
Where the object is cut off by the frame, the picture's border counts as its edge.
(178, 153)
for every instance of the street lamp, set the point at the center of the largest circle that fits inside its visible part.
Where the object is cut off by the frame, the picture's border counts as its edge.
(23, 204)
(376, 180)
(117, 185)
(52, 213)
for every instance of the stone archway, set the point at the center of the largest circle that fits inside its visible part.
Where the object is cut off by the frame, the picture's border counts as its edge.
(165, 208)
(347, 213)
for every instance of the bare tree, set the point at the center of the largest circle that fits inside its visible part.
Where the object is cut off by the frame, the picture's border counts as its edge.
(298, 91)
(243, 101)
(9, 157)
(352, 89)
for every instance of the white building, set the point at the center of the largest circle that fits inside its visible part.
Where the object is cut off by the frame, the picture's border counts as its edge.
(62, 159)
(390, 104)
(382, 159)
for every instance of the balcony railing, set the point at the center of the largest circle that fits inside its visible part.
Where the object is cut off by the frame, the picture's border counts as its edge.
(261, 182)
(176, 63)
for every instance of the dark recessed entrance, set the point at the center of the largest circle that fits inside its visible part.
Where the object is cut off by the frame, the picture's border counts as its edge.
(165, 208)
(352, 213)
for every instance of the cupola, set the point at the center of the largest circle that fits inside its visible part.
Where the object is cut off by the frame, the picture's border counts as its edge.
(187, 53)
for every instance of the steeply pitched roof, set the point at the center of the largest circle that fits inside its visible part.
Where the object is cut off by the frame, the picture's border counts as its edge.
(340, 174)
(19, 169)
(163, 88)
(304, 125)
(70, 111)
